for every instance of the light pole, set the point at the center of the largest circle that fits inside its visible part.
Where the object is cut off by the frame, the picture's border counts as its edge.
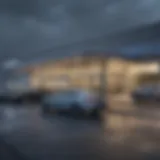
(103, 81)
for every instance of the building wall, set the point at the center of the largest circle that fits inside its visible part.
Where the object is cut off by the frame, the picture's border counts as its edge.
(77, 73)
(116, 73)
(137, 70)
(122, 75)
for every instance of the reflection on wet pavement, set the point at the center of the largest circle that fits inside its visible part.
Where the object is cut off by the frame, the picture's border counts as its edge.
(53, 137)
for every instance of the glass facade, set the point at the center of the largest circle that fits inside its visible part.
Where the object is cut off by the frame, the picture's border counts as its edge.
(18, 82)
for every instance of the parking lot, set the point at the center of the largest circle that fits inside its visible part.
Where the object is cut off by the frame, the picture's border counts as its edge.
(41, 137)
(32, 135)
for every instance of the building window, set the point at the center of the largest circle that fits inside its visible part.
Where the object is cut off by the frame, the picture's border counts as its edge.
(95, 78)
(60, 80)
(63, 78)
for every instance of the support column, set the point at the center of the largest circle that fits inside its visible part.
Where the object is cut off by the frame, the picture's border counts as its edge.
(103, 81)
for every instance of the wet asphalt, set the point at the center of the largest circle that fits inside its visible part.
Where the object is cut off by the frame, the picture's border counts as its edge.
(26, 133)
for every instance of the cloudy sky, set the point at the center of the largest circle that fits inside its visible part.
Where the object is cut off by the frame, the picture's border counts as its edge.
(30, 26)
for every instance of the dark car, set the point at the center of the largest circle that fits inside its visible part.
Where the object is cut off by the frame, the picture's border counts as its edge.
(145, 93)
(80, 101)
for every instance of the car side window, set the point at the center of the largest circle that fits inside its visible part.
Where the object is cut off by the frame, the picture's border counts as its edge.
(82, 95)
(71, 95)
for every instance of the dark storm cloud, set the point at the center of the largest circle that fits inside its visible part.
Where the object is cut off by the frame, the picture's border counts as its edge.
(32, 25)
(23, 7)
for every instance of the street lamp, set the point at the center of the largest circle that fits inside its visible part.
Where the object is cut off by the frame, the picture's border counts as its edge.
(103, 80)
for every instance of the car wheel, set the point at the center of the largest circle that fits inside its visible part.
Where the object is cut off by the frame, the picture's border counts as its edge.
(45, 108)
(17, 101)
(76, 109)
(96, 112)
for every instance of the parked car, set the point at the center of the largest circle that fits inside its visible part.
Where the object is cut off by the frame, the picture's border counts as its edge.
(145, 93)
(75, 101)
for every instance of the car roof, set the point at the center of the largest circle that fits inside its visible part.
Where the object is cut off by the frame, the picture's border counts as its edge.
(70, 91)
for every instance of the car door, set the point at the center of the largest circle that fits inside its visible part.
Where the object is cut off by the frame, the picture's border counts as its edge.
(63, 100)
(69, 99)
(56, 101)
(149, 92)
(86, 100)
